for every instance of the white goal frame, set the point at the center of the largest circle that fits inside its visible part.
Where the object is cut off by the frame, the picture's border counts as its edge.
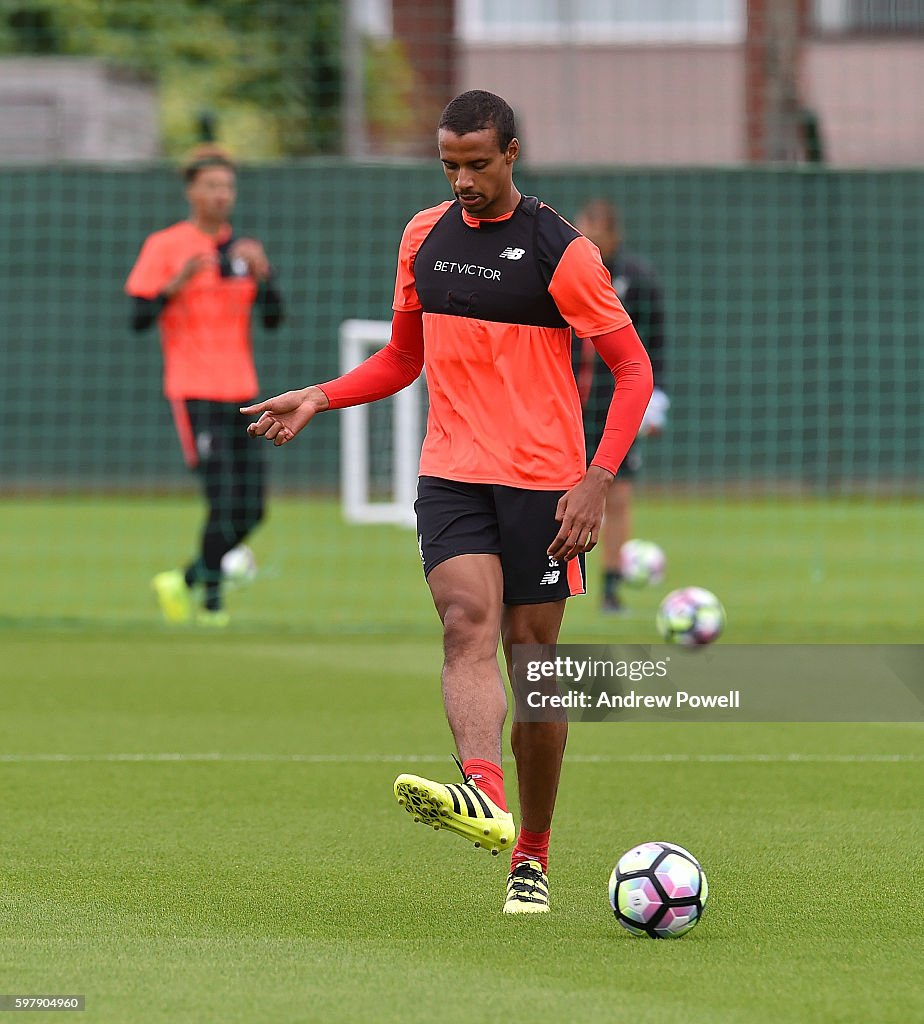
(358, 340)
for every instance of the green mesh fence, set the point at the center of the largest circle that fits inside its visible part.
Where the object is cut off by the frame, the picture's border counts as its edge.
(789, 479)
(794, 451)
(793, 300)
(189, 809)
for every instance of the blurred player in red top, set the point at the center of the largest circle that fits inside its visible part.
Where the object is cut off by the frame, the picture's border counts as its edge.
(200, 284)
(489, 287)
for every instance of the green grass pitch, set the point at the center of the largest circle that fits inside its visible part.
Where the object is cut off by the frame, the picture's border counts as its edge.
(200, 828)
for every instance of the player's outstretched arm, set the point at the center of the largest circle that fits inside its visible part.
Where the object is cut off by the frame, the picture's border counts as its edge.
(385, 372)
(382, 374)
(282, 417)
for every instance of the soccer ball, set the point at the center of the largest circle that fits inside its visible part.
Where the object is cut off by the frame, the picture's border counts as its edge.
(691, 616)
(641, 563)
(239, 565)
(658, 890)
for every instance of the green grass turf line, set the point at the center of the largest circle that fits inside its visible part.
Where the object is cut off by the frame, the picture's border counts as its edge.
(787, 571)
(283, 892)
(203, 893)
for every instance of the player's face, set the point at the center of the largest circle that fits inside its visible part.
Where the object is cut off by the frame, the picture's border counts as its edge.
(481, 175)
(212, 193)
(600, 233)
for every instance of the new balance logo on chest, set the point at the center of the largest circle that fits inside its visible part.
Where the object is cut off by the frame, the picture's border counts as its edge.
(492, 273)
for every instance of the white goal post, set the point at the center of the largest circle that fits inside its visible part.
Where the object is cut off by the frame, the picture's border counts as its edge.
(358, 340)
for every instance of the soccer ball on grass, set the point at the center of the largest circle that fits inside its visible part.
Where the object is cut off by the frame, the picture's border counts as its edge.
(659, 890)
(239, 565)
(641, 563)
(691, 616)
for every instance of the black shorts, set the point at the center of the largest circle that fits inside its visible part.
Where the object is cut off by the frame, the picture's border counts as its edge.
(456, 518)
(227, 461)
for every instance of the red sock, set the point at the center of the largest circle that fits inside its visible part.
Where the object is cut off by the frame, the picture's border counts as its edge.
(531, 846)
(489, 778)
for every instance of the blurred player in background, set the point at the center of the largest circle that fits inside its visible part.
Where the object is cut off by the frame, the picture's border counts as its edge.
(489, 287)
(200, 284)
(637, 287)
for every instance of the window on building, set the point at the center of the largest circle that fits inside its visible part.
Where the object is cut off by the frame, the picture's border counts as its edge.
(372, 17)
(873, 16)
(604, 21)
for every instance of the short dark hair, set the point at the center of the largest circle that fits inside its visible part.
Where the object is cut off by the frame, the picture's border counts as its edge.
(203, 157)
(476, 109)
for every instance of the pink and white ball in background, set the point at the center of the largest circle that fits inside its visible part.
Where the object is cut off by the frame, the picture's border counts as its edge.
(690, 617)
(239, 565)
(641, 563)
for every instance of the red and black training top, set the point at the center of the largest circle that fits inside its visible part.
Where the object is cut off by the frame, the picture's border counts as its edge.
(496, 301)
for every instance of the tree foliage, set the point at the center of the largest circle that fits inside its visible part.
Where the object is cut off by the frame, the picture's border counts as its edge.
(267, 71)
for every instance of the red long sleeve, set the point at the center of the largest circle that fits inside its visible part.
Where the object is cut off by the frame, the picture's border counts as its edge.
(625, 355)
(387, 371)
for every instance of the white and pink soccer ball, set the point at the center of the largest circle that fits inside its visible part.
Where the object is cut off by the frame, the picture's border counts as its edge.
(642, 563)
(691, 616)
(659, 890)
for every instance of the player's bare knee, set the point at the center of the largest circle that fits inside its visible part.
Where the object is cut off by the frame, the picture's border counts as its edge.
(468, 630)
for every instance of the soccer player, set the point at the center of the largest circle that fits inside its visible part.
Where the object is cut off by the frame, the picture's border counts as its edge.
(489, 286)
(200, 284)
(637, 286)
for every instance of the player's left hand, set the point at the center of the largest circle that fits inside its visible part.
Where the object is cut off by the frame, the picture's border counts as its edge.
(580, 512)
(251, 252)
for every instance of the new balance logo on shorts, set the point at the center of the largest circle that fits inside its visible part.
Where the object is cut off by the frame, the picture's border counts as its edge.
(553, 575)
(511, 253)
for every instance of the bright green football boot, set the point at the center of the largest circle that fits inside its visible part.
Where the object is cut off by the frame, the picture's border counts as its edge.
(527, 889)
(462, 809)
(173, 596)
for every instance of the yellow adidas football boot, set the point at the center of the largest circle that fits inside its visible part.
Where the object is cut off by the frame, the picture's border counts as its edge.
(527, 889)
(462, 809)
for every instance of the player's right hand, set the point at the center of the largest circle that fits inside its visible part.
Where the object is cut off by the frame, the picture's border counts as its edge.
(282, 417)
(189, 270)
